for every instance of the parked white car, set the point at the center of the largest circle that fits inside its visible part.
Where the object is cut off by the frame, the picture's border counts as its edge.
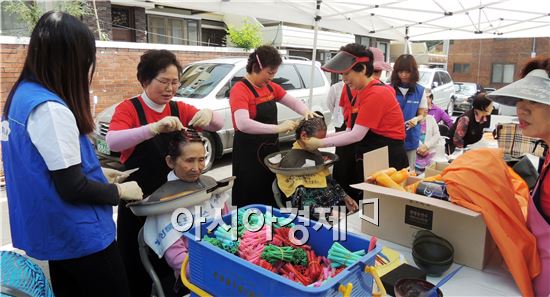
(206, 84)
(441, 85)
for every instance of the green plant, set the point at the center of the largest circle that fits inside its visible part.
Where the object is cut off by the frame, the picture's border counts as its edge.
(248, 36)
(31, 11)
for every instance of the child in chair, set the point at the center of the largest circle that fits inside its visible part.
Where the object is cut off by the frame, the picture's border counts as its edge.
(318, 190)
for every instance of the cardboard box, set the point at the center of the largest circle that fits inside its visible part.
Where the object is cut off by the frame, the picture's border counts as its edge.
(401, 215)
(435, 168)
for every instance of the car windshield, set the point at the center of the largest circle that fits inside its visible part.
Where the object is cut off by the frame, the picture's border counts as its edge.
(199, 80)
(466, 89)
(424, 78)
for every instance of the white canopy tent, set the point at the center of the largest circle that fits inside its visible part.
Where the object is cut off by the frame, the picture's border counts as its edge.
(409, 20)
(397, 19)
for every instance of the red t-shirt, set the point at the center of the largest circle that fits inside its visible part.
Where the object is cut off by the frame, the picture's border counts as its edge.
(126, 117)
(379, 110)
(242, 98)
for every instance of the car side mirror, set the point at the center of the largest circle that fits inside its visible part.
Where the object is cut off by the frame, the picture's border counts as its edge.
(435, 84)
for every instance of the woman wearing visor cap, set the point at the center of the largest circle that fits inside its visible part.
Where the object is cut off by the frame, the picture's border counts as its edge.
(375, 119)
(531, 96)
(254, 113)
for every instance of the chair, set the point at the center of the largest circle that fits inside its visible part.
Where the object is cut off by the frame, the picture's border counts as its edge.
(278, 195)
(144, 256)
(20, 277)
(444, 131)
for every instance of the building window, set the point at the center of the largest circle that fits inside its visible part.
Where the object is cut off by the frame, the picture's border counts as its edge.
(123, 23)
(364, 40)
(461, 68)
(163, 29)
(503, 73)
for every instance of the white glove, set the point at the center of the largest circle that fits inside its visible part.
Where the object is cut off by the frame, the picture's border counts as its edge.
(202, 118)
(129, 191)
(286, 126)
(167, 124)
(311, 114)
(114, 176)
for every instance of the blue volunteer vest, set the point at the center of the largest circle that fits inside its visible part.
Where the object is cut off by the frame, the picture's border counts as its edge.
(409, 105)
(42, 223)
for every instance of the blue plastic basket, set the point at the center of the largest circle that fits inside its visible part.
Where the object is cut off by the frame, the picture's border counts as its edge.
(223, 274)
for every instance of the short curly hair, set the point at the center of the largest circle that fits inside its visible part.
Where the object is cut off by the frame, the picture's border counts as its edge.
(360, 50)
(263, 56)
(152, 62)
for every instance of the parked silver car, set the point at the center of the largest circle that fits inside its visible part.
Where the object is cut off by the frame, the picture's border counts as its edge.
(440, 84)
(206, 84)
(464, 95)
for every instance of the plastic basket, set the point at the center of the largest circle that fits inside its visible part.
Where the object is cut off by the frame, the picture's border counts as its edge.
(219, 273)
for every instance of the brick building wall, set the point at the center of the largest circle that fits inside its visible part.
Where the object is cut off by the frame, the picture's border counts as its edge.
(481, 54)
(115, 75)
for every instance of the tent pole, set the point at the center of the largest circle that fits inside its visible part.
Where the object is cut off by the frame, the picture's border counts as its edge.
(314, 54)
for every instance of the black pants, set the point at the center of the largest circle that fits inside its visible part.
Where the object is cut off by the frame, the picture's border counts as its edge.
(128, 226)
(98, 274)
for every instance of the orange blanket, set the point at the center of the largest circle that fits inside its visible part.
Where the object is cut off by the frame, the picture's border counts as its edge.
(481, 181)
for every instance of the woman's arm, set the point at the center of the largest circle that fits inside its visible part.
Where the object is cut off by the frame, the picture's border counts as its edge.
(124, 139)
(176, 253)
(247, 125)
(341, 139)
(216, 123)
(460, 132)
(53, 131)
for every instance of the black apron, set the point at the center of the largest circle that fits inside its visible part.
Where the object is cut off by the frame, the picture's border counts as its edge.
(344, 170)
(253, 179)
(149, 156)
(397, 155)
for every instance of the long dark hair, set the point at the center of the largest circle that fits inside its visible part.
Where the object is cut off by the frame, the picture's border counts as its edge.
(405, 62)
(60, 57)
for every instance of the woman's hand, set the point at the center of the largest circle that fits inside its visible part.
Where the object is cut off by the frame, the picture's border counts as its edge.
(114, 176)
(287, 126)
(167, 124)
(311, 143)
(202, 118)
(422, 150)
(311, 114)
(351, 205)
(129, 191)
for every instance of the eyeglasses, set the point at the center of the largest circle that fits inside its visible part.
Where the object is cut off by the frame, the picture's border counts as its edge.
(169, 84)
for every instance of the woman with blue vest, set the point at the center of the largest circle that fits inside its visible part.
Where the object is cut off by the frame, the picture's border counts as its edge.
(60, 204)
(412, 99)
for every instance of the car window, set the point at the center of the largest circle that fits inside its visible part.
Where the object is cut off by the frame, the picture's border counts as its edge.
(224, 91)
(198, 80)
(437, 80)
(466, 89)
(305, 71)
(287, 77)
(424, 79)
(445, 78)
